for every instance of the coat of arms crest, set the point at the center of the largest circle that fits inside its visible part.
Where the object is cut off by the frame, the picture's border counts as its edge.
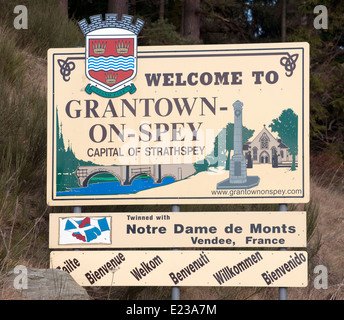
(111, 54)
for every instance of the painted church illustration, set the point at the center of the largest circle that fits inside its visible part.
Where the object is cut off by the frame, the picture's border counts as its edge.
(265, 148)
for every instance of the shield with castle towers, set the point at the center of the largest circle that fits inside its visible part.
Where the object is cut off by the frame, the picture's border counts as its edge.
(111, 54)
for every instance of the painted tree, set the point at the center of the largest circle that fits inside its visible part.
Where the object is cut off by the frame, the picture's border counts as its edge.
(286, 127)
(161, 9)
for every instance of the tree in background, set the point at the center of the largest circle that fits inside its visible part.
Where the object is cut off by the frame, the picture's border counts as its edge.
(226, 21)
(283, 21)
(63, 4)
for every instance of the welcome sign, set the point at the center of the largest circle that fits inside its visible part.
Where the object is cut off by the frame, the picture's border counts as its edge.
(176, 124)
(184, 268)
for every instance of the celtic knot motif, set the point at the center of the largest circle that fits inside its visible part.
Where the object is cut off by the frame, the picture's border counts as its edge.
(66, 68)
(289, 63)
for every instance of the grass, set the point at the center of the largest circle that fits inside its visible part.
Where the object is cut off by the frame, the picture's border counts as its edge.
(23, 209)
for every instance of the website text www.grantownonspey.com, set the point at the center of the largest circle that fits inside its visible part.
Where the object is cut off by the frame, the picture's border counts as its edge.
(253, 192)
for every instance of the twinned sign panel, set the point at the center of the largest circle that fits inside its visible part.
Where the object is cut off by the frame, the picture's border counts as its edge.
(177, 124)
(181, 230)
(184, 268)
